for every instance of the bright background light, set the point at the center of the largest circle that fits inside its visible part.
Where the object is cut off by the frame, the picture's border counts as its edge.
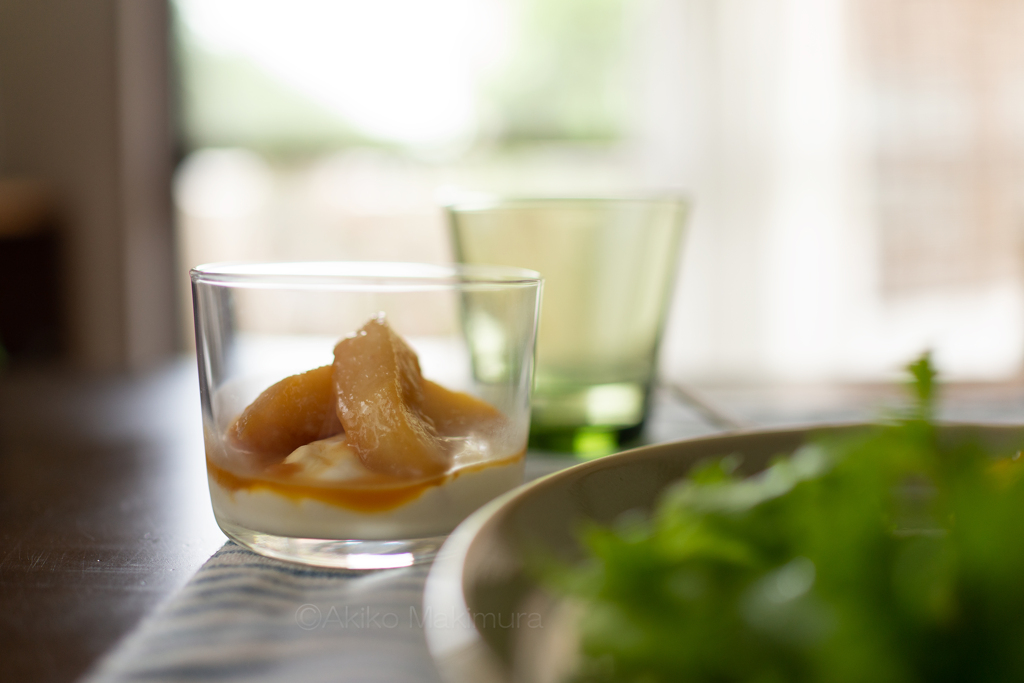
(404, 71)
(855, 164)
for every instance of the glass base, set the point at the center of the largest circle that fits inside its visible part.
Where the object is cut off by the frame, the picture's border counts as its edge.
(583, 442)
(588, 420)
(339, 554)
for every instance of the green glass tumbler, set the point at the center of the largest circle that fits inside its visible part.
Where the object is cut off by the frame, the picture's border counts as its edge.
(609, 267)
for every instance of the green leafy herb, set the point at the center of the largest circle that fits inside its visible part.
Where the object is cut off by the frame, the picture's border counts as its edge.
(890, 555)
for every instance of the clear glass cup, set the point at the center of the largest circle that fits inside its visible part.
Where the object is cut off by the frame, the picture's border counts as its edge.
(355, 413)
(608, 268)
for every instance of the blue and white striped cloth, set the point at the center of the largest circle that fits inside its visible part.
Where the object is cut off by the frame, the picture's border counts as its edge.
(244, 617)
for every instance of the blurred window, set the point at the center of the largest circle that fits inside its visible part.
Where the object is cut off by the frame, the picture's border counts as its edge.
(855, 164)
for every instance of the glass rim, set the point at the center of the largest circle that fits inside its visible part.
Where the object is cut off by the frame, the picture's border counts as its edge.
(362, 275)
(485, 201)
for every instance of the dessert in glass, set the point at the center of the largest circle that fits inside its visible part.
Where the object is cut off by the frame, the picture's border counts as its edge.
(355, 413)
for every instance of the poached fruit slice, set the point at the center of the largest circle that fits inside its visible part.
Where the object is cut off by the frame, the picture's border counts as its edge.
(295, 411)
(374, 401)
(454, 413)
(380, 395)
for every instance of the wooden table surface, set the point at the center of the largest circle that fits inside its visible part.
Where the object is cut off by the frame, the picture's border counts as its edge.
(104, 510)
